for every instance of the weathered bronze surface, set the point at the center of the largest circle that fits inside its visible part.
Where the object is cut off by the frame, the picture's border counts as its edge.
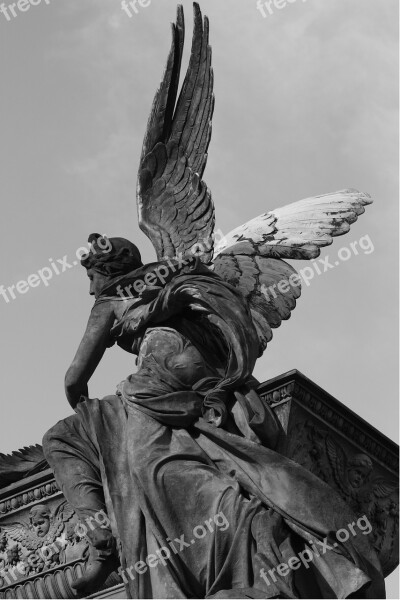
(184, 475)
(309, 417)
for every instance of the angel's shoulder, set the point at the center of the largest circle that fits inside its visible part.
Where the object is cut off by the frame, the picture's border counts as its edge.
(122, 307)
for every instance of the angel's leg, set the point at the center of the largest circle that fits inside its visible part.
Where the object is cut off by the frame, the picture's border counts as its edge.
(75, 463)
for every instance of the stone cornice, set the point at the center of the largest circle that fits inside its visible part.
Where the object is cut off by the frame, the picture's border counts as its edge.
(30, 490)
(294, 385)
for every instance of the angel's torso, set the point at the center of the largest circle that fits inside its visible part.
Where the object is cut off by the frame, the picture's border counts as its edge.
(172, 356)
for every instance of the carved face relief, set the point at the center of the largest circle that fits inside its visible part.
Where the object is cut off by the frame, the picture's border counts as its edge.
(356, 477)
(359, 470)
(40, 520)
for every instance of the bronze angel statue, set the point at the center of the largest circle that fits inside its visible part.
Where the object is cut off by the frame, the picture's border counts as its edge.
(182, 457)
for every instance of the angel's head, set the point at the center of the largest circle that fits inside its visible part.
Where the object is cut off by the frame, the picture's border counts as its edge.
(358, 470)
(40, 519)
(109, 259)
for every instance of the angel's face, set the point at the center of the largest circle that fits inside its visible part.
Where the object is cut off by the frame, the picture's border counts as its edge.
(97, 282)
(40, 524)
(356, 476)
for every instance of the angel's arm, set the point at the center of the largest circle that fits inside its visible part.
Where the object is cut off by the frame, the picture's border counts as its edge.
(90, 352)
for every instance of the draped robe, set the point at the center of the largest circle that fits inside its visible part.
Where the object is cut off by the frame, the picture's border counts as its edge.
(185, 442)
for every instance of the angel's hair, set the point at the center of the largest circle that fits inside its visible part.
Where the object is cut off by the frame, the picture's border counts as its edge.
(111, 257)
(39, 510)
(361, 460)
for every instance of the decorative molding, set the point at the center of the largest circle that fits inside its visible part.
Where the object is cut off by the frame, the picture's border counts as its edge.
(368, 488)
(42, 539)
(278, 395)
(117, 591)
(55, 583)
(294, 385)
(11, 502)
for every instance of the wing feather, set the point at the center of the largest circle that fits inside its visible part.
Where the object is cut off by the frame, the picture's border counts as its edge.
(299, 230)
(20, 533)
(251, 256)
(261, 281)
(174, 204)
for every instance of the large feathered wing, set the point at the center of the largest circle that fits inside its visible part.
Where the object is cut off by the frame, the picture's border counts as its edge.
(23, 463)
(175, 207)
(250, 257)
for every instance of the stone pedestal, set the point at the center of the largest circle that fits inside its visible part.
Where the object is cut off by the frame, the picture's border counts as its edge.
(40, 554)
(334, 443)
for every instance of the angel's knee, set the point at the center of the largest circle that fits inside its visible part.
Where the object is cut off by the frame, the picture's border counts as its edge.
(55, 436)
(49, 438)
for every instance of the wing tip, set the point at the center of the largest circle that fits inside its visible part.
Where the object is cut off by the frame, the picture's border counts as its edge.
(197, 11)
(198, 20)
(363, 197)
(180, 16)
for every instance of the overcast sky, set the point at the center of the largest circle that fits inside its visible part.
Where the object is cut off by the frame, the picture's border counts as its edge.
(306, 103)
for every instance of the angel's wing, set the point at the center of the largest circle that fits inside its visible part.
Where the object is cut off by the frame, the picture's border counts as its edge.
(338, 462)
(250, 257)
(382, 488)
(27, 461)
(21, 533)
(175, 207)
(62, 515)
(298, 230)
(258, 279)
